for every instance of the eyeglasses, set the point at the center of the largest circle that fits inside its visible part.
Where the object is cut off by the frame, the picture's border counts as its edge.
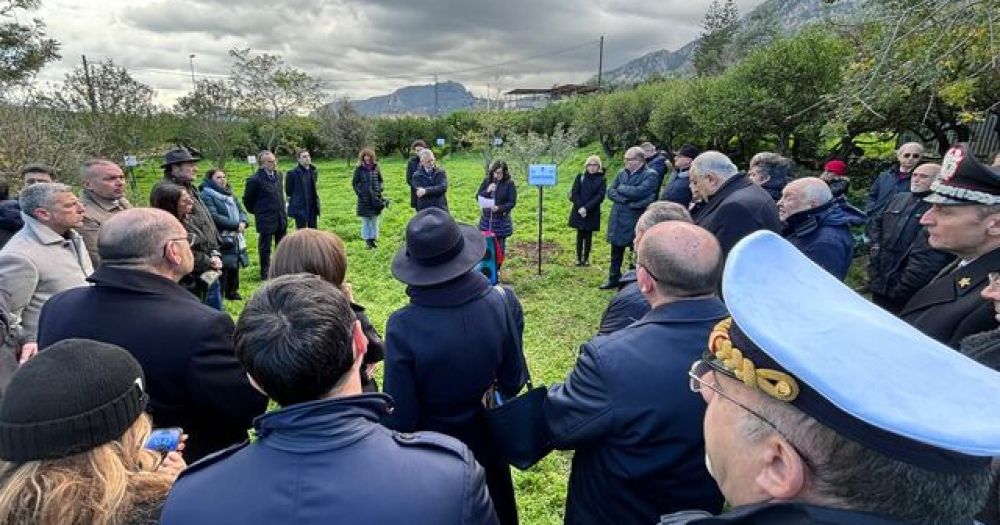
(650, 272)
(190, 238)
(911, 155)
(701, 368)
(593, 165)
(634, 159)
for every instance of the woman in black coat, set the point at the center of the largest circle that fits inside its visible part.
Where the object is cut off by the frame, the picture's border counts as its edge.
(176, 201)
(587, 195)
(368, 187)
(498, 186)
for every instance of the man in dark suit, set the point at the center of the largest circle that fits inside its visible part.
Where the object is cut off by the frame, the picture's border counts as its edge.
(964, 220)
(625, 408)
(734, 207)
(412, 166)
(185, 347)
(300, 187)
(264, 198)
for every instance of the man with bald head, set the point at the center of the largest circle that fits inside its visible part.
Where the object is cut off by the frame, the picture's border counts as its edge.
(103, 195)
(819, 225)
(623, 408)
(185, 347)
(901, 260)
(894, 180)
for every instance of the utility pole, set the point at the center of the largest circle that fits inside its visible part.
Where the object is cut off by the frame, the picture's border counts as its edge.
(91, 98)
(435, 95)
(191, 59)
(600, 61)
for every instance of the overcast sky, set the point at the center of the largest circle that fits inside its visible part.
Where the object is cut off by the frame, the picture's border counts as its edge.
(362, 48)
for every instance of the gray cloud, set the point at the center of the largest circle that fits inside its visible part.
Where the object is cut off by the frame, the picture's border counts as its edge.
(362, 48)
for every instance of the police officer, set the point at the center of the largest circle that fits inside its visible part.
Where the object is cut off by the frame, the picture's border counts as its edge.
(324, 457)
(824, 408)
(964, 220)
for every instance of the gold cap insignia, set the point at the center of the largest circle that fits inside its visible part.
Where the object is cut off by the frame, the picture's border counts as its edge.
(774, 383)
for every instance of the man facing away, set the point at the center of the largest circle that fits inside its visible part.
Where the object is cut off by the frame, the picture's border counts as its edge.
(324, 457)
(46, 257)
(185, 347)
(103, 196)
(300, 188)
(625, 408)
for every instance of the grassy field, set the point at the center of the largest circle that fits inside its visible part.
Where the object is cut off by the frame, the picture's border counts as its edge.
(562, 306)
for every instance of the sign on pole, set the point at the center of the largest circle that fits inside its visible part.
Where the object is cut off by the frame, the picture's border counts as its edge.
(252, 160)
(541, 175)
(440, 141)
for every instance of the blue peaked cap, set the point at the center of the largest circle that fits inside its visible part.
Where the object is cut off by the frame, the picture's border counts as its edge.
(859, 370)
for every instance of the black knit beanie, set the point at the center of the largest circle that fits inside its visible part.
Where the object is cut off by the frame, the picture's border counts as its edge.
(73, 396)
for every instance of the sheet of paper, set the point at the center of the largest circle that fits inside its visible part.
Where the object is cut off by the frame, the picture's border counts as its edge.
(486, 204)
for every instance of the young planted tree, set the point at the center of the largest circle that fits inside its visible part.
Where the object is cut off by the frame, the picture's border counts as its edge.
(211, 121)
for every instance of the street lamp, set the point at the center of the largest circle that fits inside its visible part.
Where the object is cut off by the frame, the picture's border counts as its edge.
(191, 58)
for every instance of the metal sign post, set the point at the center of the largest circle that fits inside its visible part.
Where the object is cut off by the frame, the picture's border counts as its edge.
(130, 163)
(541, 175)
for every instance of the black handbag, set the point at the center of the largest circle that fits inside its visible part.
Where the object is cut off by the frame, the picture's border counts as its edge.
(517, 425)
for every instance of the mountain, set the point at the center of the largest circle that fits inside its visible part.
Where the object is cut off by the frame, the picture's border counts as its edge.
(773, 17)
(418, 100)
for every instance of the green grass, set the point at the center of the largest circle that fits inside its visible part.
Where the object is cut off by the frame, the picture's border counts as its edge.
(562, 306)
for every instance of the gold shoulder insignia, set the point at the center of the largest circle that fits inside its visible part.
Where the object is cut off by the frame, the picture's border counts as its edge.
(964, 282)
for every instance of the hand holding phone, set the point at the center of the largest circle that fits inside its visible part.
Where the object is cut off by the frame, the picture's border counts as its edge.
(165, 440)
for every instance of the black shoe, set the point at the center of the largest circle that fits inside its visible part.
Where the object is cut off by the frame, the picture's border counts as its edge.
(235, 296)
(369, 244)
(586, 262)
(609, 285)
(579, 262)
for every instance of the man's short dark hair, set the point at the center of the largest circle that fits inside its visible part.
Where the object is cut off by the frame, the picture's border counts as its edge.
(37, 168)
(295, 338)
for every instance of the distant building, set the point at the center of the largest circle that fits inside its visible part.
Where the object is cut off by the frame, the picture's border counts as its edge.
(527, 98)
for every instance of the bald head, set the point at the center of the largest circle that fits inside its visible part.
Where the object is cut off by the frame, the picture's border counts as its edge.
(923, 176)
(136, 237)
(802, 195)
(681, 259)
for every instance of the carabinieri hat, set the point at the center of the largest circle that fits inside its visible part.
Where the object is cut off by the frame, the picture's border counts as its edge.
(804, 338)
(177, 156)
(437, 249)
(965, 180)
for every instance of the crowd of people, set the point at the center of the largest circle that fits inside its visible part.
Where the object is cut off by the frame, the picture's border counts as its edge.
(732, 365)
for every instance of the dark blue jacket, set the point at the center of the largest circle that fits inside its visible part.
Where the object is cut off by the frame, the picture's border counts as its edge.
(330, 461)
(786, 514)
(10, 220)
(185, 348)
(436, 184)
(628, 411)
(505, 196)
(443, 351)
(630, 193)
(824, 235)
(658, 163)
(264, 198)
(300, 188)
(227, 221)
(737, 209)
(678, 189)
(626, 307)
(887, 184)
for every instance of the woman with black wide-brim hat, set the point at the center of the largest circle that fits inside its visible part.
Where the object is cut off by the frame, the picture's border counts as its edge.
(452, 342)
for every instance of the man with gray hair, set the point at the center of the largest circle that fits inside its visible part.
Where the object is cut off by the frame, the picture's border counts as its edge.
(46, 257)
(630, 192)
(894, 180)
(771, 172)
(734, 207)
(185, 347)
(625, 408)
(818, 225)
(429, 182)
(103, 195)
(901, 260)
(629, 305)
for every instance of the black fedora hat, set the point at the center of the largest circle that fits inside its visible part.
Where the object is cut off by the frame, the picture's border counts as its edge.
(176, 156)
(437, 249)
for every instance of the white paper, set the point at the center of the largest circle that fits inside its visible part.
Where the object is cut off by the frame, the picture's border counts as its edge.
(486, 204)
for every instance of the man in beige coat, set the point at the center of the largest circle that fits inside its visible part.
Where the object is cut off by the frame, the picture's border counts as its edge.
(103, 195)
(46, 257)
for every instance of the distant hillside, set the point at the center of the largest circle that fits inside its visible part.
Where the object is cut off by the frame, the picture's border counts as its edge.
(418, 100)
(770, 18)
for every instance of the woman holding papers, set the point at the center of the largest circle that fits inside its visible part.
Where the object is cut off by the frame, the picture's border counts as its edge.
(497, 197)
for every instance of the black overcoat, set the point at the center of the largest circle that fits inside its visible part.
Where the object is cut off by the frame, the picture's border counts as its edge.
(368, 190)
(300, 187)
(265, 199)
(436, 184)
(736, 210)
(587, 192)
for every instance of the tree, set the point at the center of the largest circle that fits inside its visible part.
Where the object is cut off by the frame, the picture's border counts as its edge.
(112, 107)
(269, 90)
(343, 131)
(24, 48)
(212, 123)
(717, 30)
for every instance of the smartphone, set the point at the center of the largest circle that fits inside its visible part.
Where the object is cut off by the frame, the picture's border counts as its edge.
(164, 439)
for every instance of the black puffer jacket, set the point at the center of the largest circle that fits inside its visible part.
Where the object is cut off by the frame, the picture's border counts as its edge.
(10, 220)
(368, 187)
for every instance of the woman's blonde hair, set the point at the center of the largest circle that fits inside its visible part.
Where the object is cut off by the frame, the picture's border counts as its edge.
(101, 486)
(593, 158)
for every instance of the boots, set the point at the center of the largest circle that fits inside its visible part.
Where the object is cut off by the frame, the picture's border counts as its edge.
(370, 244)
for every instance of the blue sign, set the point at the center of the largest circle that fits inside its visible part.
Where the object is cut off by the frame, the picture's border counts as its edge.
(542, 174)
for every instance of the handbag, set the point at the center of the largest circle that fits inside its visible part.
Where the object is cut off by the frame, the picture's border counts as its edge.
(517, 425)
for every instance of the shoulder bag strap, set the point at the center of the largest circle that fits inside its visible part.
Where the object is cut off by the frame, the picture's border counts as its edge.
(511, 324)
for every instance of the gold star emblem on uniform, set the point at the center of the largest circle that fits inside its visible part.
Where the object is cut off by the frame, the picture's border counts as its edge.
(964, 282)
